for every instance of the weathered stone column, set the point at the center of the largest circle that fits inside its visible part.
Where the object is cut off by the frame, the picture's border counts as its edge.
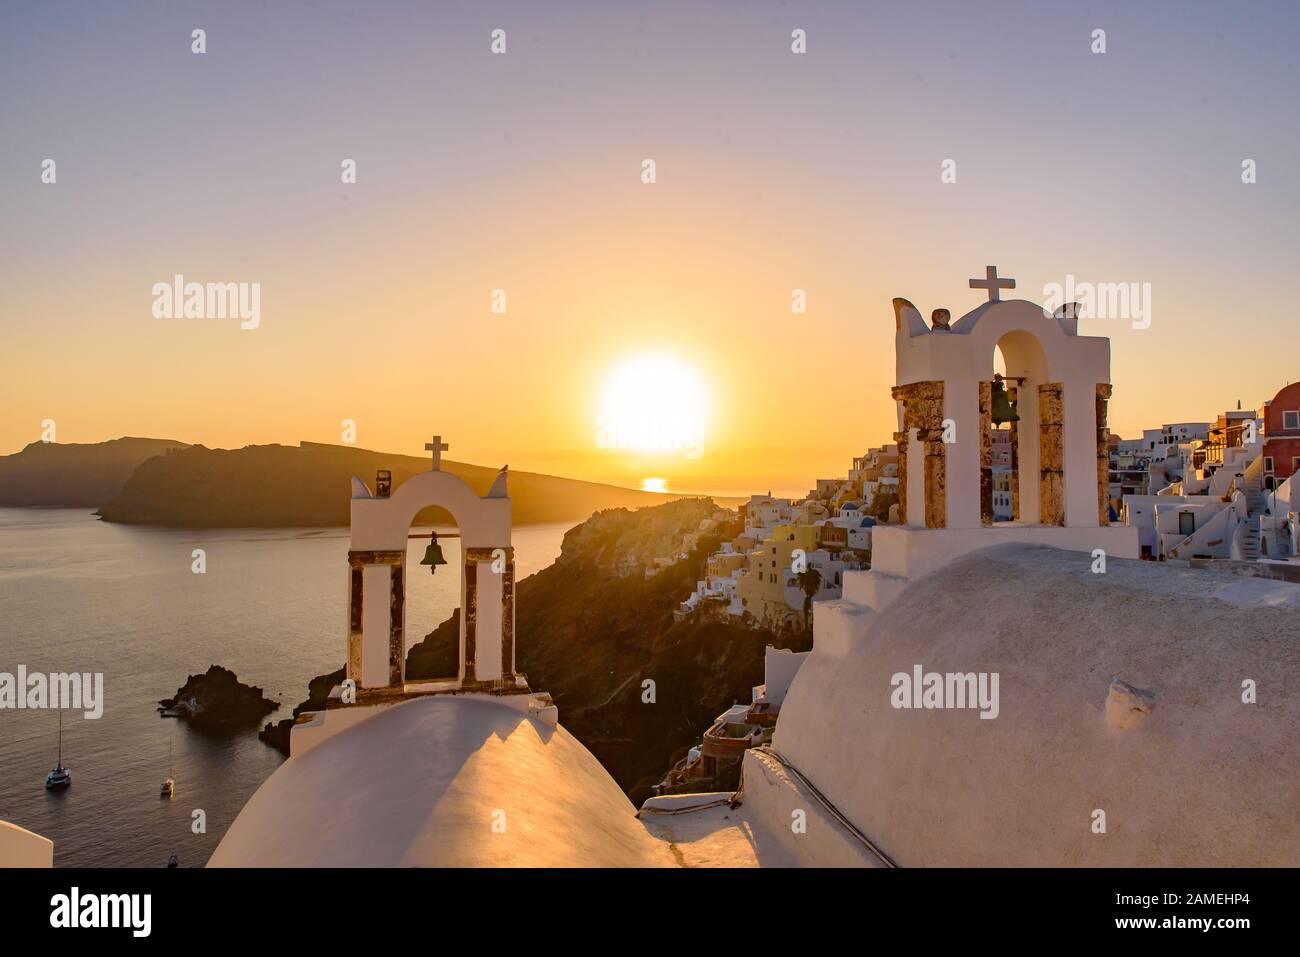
(901, 440)
(923, 411)
(936, 479)
(356, 591)
(986, 454)
(358, 562)
(1103, 453)
(396, 622)
(475, 614)
(1051, 453)
(468, 668)
(508, 617)
(1013, 394)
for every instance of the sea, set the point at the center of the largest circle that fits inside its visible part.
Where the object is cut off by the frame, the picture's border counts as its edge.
(78, 594)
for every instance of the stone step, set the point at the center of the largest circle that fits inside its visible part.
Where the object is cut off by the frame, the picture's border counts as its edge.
(838, 625)
(872, 588)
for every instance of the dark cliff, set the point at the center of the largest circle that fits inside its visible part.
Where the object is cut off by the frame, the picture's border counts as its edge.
(310, 485)
(75, 475)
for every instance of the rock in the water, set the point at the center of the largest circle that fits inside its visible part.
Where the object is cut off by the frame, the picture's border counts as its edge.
(217, 701)
(276, 733)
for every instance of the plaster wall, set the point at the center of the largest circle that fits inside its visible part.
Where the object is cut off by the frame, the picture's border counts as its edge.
(487, 634)
(945, 787)
(911, 552)
(376, 624)
(21, 848)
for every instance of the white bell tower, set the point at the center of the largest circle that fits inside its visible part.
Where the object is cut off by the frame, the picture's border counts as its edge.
(1059, 383)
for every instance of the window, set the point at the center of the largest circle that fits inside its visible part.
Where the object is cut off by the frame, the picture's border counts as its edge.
(1186, 523)
(1268, 463)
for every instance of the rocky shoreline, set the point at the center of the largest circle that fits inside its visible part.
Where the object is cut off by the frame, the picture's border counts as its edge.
(276, 733)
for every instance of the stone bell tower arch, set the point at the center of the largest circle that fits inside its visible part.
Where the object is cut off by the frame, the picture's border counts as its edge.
(1060, 384)
(381, 523)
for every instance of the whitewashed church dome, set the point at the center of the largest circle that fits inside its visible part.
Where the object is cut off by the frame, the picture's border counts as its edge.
(1192, 776)
(437, 781)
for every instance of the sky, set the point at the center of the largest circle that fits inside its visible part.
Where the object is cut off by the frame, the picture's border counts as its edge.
(523, 171)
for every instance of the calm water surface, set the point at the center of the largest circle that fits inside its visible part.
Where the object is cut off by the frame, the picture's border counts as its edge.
(77, 594)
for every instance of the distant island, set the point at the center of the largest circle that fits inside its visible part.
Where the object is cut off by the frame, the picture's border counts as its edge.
(74, 475)
(168, 483)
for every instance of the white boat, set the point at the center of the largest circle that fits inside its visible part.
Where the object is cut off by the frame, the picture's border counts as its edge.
(169, 784)
(60, 777)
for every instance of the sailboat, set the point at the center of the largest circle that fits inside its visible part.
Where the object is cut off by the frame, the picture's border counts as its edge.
(169, 785)
(60, 777)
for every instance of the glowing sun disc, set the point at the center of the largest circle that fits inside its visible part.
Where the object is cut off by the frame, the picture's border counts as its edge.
(653, 404)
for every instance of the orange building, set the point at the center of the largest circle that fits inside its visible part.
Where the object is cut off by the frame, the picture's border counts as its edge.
(1282, 436)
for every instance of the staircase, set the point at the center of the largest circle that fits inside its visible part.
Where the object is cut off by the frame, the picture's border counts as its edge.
(1252, 486)
(1250, 539)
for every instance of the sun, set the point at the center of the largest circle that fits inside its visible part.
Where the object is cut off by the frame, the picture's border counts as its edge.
(653, 404)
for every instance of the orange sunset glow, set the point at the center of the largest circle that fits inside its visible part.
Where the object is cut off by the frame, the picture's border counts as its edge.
(380, 298)
(790, 442)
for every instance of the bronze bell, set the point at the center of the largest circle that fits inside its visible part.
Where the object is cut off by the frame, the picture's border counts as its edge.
(1003, 410)
(433, 556)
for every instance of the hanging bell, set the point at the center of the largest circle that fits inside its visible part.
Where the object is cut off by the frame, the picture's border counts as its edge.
(1003, 410)
(433, 556)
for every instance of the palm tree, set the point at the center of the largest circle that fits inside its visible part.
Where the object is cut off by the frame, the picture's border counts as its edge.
(810, 580)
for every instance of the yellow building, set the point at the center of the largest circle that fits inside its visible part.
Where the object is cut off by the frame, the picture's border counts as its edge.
(763, 589)
(725, 564)
(807, 537)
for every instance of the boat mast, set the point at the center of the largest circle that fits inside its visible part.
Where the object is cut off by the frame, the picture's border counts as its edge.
(60, 761)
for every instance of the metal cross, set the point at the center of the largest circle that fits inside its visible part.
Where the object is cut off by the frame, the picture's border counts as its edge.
(992, 283)
(437, 447)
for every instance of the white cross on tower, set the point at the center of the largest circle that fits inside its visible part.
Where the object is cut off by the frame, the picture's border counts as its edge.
(437, 447)
(992, 283)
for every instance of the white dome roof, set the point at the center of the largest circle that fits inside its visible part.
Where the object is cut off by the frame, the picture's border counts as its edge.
(1203, 780)
(423, 782)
